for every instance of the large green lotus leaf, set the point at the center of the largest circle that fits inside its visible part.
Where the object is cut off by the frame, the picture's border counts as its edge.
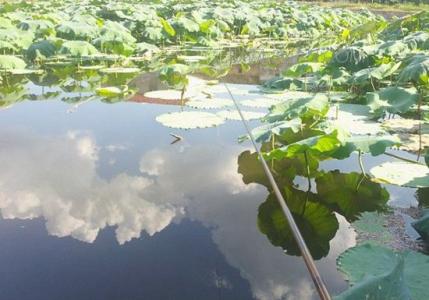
(392, 99)
(114, 31)
(417, 40)
(18, 38)
(422, 225)
(265, 132)
(320, 146)
(308, 107)
(374, 260)
(235, 116)
(390, 285)
(402, 174)
(350, 194)
(175, 75)
(78, 48)
(284, 170)
(302, 69)
(209, 103)
(352, 58)
(383, 71)
(187, 24)
(190, 120)
(317, 224)
(40, 28)
(10, 62)
(282, 83)
(41, 50)
(393, 48)
(71, 30)
(337, 76)
(172, 95)
(376, 145)
(417, 72)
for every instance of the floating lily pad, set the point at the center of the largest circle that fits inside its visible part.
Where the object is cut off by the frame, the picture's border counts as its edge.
(366, 260)
(119, 70)
(390, 285)
(209, 103)
(402, 174)
(190, 120)
(411, 142)
(234, 115)
(260, 102)
(167, 95)
(405, 125)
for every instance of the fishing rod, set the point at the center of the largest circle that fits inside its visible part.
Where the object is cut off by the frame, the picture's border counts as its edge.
(309, 261)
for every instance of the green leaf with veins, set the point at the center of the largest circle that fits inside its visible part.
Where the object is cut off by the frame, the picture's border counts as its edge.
(392, 99)
(318, 224)
(321, 146)
(389, 285)
(383, 71)
(302, 69)
(372, 260)
(265, 132)
(304, 108)
(350, 194)
(417, 71)
(376, 145)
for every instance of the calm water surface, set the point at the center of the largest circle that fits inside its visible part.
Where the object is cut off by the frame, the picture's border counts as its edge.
(97, 204)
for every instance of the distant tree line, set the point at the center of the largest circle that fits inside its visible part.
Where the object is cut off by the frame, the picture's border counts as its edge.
(416, 2)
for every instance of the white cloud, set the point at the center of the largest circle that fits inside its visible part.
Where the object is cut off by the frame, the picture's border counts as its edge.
(56, 178)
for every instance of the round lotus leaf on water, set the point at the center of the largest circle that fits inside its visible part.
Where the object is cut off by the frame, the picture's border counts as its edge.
(405, 125)
(411, 142)
(119, 70)
(167, 94)
(209, 103)
(363, 262)
(190, 120)
(260, 102)
(234, 115)
(402, 174)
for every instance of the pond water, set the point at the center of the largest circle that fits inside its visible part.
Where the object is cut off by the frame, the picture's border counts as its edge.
(97, 203)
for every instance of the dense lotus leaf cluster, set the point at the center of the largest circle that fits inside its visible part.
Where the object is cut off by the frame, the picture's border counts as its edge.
(383, 79)
(44, 29)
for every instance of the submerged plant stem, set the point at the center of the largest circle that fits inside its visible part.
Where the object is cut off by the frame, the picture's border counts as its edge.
(361, 163)
(308, 169)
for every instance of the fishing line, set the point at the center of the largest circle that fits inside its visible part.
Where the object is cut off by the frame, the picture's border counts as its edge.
(309, 261)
